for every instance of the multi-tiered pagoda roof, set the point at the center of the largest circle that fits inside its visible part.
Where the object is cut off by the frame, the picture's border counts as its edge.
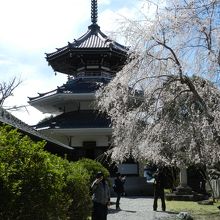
(93, 50)
(90, 61)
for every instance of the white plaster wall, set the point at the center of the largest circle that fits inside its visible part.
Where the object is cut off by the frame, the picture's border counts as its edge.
(100, 140)
(86, 105)
(63, 139)
(72, 107)
(77, 141)
(75, 105)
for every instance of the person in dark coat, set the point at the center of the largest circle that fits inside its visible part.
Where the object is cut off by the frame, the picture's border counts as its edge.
(159, 184)
(100, 197)
(119, 188)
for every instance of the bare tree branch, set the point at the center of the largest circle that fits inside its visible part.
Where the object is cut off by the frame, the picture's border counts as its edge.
(7, 89)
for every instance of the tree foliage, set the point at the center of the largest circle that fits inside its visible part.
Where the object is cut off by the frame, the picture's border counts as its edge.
(164, 104)
(35, 184)
(92, 168)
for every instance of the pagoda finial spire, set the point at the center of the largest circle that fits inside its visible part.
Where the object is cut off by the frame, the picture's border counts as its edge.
(94, 11)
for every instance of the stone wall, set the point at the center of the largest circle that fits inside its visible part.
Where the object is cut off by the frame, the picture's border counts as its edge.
(216, 187)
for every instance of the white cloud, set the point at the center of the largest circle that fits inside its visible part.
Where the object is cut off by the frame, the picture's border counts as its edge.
(105, 2)
(34, 24)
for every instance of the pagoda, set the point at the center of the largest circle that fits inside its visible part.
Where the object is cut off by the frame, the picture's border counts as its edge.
(89, 62)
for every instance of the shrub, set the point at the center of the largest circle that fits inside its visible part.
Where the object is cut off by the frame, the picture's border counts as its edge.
(78, 189)
(93, 167)
(38, 185)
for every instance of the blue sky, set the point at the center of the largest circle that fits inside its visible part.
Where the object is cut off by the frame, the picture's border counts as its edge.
(30, 28)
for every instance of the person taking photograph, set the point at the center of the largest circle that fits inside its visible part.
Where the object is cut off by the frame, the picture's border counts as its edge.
(100, 197)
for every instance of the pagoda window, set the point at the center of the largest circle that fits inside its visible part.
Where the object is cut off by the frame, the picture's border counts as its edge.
(105, 68)
(92, 66)
(96, 74)
(81, 68)
(92, 62)
(105, 74)
(81, 74)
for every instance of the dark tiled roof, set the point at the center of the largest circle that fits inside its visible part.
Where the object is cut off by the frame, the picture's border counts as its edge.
(93, 38)
(77, 85)
(77, 119)
(8, 118)
(84, 85)
(94, 49)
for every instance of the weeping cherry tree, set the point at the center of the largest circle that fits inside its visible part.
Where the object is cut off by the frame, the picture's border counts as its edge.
(165, 103)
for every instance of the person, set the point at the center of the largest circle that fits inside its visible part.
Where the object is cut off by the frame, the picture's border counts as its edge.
(159, 184)
(148, 174)
(119, 188)
(100, 197)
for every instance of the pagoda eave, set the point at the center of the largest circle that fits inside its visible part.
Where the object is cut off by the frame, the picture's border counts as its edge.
(70, 64)
(77, 131)
(54, 103)
(80, 52)
(82, 119)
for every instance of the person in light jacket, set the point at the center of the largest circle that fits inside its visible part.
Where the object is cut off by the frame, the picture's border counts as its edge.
(100, 197)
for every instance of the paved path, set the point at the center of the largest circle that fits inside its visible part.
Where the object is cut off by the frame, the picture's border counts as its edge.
(137, 208)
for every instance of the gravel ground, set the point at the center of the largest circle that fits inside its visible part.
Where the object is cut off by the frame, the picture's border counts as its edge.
(137, 208)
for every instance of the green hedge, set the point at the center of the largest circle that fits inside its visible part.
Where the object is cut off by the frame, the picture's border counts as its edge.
(35, 184)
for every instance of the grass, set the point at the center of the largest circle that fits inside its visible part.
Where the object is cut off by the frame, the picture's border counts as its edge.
(197, 211)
